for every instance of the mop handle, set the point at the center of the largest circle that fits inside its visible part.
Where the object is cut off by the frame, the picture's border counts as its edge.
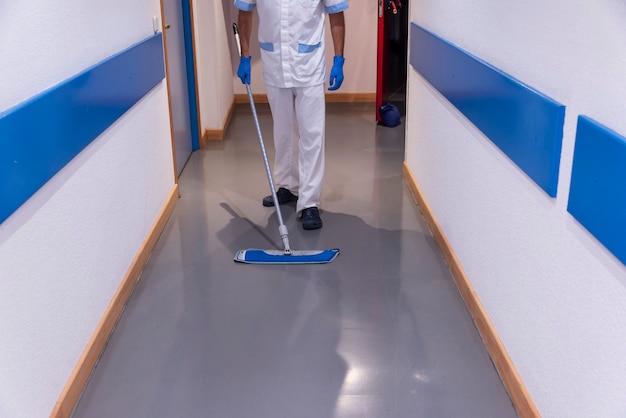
(282, 229)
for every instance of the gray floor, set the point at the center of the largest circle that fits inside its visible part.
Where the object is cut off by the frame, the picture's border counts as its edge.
(380, 332)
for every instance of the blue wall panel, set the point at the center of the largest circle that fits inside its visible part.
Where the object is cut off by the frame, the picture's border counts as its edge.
(41, 135)
(598, 189)
(525, 124)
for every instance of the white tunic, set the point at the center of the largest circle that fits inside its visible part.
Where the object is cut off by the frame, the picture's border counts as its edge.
(291, 38)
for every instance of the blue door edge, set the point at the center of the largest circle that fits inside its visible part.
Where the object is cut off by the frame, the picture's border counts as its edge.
(190, 63)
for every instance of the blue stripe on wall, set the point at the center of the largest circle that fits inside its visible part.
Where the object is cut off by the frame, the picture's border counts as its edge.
(525, 124)
(597, 196)
(40, 136)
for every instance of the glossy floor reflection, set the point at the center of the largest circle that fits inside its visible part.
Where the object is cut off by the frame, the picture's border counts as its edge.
(380, 332)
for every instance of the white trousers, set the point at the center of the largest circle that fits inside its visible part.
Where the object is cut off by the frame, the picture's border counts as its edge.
(299, 115)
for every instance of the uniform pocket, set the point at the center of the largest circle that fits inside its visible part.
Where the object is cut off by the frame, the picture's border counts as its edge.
(266, 46)
(306, 48)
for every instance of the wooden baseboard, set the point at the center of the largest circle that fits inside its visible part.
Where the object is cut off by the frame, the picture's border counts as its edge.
(78, 379)
(350, 97)
(330, 98)
(508, 373)
(218, 134)
(257, 97)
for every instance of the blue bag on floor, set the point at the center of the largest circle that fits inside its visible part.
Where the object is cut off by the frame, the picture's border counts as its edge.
(389, 115)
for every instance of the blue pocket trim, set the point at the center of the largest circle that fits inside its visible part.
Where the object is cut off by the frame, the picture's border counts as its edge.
(40, 136)
(305, 48)
(524, 123)
(266, 46)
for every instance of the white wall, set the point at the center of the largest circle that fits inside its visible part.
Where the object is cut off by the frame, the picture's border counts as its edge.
(64, 252)
(214, 70)
(556, 296)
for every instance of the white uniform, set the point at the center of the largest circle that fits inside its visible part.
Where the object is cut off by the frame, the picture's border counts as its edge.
(291, 38)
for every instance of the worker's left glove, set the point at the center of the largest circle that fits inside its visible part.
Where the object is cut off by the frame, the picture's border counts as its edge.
(336, 73)
(243, 72)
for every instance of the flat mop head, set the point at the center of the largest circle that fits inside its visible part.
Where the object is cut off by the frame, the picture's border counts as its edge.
(254, 256)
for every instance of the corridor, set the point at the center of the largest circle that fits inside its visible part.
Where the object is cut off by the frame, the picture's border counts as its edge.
(380, 332)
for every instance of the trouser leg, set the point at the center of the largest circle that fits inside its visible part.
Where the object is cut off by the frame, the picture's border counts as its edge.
(286, 170)
(310, 111)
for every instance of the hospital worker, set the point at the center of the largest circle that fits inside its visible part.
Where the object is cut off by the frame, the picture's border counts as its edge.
(292, 43)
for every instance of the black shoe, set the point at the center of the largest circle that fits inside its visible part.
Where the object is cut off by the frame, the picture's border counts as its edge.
(284, 196)
(311, 218)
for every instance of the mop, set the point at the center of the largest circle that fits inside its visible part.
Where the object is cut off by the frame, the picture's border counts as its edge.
(287, 255)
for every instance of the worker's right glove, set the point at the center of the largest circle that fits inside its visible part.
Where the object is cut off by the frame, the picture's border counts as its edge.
(244, 70)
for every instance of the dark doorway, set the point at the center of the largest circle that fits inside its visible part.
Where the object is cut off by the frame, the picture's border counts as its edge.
(393, 22)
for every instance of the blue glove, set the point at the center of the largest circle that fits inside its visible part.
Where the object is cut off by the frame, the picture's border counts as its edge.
(244, 70)
(336, 73)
